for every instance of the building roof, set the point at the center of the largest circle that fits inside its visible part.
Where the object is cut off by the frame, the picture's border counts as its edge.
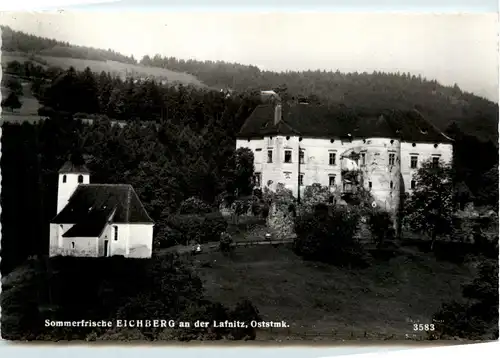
(323, 121)
(91, 202)
(70, 167)
(269, 96)
(92, 224)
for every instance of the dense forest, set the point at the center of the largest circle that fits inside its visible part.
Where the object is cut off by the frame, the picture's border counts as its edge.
(374, 91)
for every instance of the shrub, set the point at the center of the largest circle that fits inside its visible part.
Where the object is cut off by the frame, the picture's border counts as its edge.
(194, 205)
(477, 318)
(246, 312)
(167, 237)
(330, 237)
(198, 228)
(225, 242)
(381, 227)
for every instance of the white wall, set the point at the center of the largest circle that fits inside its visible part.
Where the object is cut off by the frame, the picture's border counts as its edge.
(56, 239)
(423, 151)
(65, 190)
(316, 167)
(140, 240)
(83, 246)
(119, 246)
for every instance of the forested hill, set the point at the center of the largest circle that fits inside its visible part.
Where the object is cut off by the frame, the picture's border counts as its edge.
(368, 91)
(377, 91)
(17, 41)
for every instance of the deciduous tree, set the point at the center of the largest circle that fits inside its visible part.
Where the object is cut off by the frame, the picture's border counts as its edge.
(429, 208)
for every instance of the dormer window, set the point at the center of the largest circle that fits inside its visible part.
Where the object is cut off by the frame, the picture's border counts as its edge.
(80, 179)
(64, 178)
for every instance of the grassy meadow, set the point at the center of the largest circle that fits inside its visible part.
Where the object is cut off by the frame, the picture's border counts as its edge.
(116, 68)
(324, 301)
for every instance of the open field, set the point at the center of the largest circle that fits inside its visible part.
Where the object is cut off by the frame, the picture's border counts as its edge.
(332, 303)
(116, 68)
(28, 111)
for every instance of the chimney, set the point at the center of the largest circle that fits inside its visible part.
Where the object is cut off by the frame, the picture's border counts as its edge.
(277, 114)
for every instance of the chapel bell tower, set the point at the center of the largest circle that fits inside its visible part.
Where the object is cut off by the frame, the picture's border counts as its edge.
(72, 173)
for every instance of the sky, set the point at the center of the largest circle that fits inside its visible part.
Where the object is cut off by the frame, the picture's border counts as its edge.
(451, 48)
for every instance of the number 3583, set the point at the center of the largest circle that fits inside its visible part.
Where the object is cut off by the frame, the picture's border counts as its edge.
(423, 327)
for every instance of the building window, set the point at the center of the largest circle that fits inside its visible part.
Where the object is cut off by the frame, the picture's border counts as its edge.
(412, 184)
(391, 184)
(258, 179)
(73, 245)
(369, 185)
(392, 158)
(301, 156)
(80, 179)
(64, 178)
(258, 149)
(301, 179)
(413, 161)
(269, 156)
(435, 162)
(331, 180)
(332, 158)
(116, 232)
(287, 175)
(363, 158)
(288, 156)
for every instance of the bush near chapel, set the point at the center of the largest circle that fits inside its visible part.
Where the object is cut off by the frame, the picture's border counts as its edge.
(330, 237)
(198, 228)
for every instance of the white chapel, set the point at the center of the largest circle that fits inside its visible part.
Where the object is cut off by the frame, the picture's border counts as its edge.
(98, 220)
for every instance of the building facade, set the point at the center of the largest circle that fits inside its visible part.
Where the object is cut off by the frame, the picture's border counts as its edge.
(299, 145)
(98, 220)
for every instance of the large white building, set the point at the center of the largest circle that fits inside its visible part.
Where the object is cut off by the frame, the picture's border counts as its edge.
(307, 144)
(98, 219)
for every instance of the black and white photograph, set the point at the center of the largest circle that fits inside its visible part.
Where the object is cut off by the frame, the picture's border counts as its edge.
(249, 177)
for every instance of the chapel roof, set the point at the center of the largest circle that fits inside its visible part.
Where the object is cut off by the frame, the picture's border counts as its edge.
(326, 121)
(92, 224)
(91, 203)
(71, 167)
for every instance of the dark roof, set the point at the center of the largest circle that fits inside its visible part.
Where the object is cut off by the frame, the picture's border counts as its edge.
(323, 121)
(103, 197)
(90, 225)
(70, 167)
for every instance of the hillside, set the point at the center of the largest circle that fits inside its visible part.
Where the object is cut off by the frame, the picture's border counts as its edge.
(376, 91)
(21, 47)
(325, 302)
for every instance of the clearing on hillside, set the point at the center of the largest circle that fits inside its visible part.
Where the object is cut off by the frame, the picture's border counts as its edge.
(29, 109)
(113, 67)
